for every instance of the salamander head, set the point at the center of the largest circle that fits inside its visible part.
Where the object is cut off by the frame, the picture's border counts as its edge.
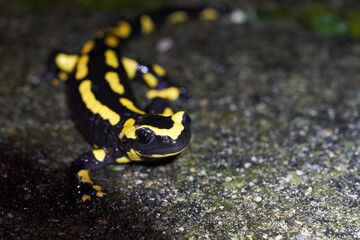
(156, 136)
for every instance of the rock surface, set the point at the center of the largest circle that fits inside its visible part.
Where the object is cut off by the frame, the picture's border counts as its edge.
(275, 148)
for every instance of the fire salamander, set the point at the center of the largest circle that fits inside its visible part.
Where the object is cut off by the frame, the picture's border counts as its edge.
(103, 106)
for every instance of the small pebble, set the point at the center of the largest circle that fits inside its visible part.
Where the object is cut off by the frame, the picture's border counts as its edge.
(247, 165)
(238, 16)
(258, 199)
(164, 45)
(300, 236)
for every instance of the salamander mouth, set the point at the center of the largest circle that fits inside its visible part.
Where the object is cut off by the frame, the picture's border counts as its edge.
(166, 150)
(163, 152)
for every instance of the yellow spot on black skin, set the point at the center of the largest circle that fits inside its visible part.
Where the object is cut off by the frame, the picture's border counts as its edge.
(114, 81)
(123, 160)
(66, 62)
(100, 194)
(84, 176)
(94, 105)
(177, 17)
(86, 198)
(208, 14)
(134, 155)
(159, 70)
(111, 41)
(111, 58)
(130, 105)
(99, 154)
(88, 47)
(122, 31)
(168, 112)
(147, 24)
(128, 129)
(150, 79)
(130, 67)
(82, 69)
(171, 93)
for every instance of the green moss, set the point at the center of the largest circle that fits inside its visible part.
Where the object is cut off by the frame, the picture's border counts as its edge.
(354, 22)
(235, 185)
(324, 20)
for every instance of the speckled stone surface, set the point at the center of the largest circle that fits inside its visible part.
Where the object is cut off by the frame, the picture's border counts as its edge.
(275, 147)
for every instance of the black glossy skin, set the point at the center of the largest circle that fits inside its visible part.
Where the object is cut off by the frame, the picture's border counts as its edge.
(94, 128)
(100, 132)
(137, 136)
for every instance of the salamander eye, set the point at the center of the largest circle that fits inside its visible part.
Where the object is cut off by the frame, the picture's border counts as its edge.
(186, 120)
(145, 135)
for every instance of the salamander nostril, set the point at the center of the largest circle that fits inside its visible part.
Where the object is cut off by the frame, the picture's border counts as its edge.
(186, 121)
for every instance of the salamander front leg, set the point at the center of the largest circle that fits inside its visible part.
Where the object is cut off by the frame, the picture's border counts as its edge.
(80, 168)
